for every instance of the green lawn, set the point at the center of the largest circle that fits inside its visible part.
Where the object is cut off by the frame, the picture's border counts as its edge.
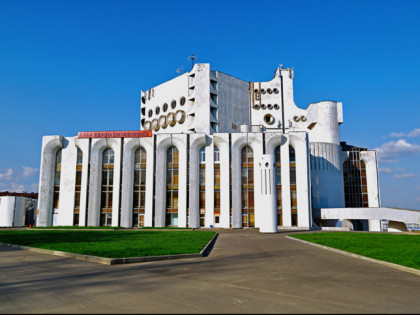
(399, 249)
(111, 243)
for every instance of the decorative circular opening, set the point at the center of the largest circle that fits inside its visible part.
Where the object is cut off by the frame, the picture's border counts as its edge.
(155, 124)
(173, 104)
(262, 91)
(171, 119)
(157, 110)
(147, 125)
(180, 116)
(256, 91)
(269, 106)
(143, 100)
(276, 91)
(269, 91)
(296, 118)
(303, 118)
(256, 106)
(269, 119)
(162, 121)
(165, 107)
(267, 165)
(182, 101)
(276, 106)
(150, 113)
(263, 106)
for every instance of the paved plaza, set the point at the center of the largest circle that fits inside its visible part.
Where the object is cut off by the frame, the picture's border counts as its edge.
(247, 272)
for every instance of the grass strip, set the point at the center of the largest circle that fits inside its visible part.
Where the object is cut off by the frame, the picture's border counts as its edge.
(399, 249)
(111, 244)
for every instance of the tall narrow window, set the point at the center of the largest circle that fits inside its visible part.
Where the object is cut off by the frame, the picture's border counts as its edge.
(278, 185)
(355, 182)
(57, 176)
(293, 195)
(216, 185)
(202, 192)
(172, 169)
(247, 157)
(78, 186)
(139, 198)
(107, 187)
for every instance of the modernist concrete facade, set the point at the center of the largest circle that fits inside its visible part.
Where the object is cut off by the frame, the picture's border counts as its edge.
(215, 151)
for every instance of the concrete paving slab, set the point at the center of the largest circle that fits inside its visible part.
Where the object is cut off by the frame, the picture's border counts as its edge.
(246, 272)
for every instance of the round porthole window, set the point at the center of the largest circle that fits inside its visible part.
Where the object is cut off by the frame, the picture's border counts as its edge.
(182, 101)
(296, 118)
(165, 107)
(269, 91)
(143, 100)
(303, 118)
(269, 106)
(157, 110)
(276, 91)
(150, 113)
(269, 119)
(256, 106)
(276, 106)
(262, 91)
(263, 106)
(173, 104)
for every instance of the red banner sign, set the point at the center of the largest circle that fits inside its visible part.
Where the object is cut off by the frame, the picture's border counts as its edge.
(115, 134)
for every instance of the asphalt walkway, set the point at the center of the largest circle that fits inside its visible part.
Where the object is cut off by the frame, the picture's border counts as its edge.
(247, 272)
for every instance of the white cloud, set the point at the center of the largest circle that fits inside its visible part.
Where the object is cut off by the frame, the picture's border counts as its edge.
(385, 170)
(390, 151)
(411, 134)
(404, 175)
(400, 169)
(7, 175)
(28, 171)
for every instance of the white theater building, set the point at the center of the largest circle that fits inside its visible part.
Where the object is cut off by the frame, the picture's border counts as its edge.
(212, 151)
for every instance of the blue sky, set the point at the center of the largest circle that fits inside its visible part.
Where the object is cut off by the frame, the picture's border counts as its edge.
(69, 66)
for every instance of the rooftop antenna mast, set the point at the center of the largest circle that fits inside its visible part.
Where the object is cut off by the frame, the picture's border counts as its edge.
(192, 58)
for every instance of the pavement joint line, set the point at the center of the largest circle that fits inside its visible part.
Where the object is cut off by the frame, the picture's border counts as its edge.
(113, 261)
(339, 251)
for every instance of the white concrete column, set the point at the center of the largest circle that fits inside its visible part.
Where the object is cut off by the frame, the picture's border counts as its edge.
(255, 140)
(83, 144)
(67, 182)
(268, 211)
(115, 144)
(222, 142)
(236, 181)
(209, 216)
(197, 141)
(50, 146)
(371, 165)
(285, 184)
(299, 142)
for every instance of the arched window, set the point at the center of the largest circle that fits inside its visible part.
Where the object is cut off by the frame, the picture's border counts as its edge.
(202, 192)
(57, 176)
(278, 185)
(139, 197)
(172, 169)
(293, 195)
(247, 157)
(216, 185)
(107, 187)
(78, 187)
